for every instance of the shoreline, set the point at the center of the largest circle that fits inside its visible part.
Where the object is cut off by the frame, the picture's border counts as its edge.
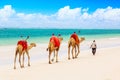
(13, 41)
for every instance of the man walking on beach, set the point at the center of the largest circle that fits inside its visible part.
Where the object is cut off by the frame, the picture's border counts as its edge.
(93, 46)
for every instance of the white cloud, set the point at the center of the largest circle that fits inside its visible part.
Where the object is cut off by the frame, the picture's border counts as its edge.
(67, 13)
(65, 18)
(6, 12)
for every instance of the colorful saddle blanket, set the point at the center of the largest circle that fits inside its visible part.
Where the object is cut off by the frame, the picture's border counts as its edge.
(75, 36)
(55, 40)
(23, 43)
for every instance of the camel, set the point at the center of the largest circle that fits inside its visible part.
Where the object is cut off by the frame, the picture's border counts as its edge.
(53, 48)
(72, 43)
(21, 51)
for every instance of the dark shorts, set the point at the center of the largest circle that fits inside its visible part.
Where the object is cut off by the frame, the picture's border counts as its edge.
(93, 51)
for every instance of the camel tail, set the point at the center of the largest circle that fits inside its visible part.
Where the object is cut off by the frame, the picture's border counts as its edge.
(47, 49)
(49, 46)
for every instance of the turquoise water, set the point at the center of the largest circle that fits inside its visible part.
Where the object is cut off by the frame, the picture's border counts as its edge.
(11, 36)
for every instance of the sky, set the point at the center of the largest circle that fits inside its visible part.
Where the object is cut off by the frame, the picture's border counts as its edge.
(79, 14)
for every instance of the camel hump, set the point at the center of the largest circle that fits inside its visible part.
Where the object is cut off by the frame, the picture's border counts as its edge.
(55, 40)
(75, 36)
(23, 43)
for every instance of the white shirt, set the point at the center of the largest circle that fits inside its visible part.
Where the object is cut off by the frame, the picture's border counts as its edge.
(93, 45)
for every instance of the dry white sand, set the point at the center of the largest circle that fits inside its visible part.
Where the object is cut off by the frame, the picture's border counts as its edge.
(105, 65)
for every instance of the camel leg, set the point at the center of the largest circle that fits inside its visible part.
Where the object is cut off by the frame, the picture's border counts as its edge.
(53, 56)
(15, 59)
(20, 59)
(28, 57)
(23, 60)
(75, 52)
(69, 50)
(78, 51)
(68, 53)
(72, 52)
(50, 57)
(57, 56)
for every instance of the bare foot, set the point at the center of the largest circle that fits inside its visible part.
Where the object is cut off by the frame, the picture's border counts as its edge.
(28, 64)
(50, 62)
(14, 67)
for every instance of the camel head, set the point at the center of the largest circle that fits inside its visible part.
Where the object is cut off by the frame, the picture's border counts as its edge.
(82, 39)
(60, 38)
(33, 44)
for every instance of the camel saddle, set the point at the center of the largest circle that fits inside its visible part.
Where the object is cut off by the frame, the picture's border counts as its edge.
(23, 43)
(75, 36)
(55, 40)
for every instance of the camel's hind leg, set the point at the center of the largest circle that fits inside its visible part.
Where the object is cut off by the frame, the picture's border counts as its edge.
(53, 56)
(69, 45)
(56, 56)
(15, 59)
(69, 53)
(78, 51)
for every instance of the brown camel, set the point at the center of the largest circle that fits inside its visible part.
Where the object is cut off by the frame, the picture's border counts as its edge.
(54, 46)
(21, 51)
(72, 43)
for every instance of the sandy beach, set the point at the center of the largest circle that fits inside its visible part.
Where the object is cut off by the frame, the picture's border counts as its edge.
(104, 65)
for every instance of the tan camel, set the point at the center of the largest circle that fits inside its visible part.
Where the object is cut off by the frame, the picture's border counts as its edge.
(52, 48)
(21, 52)
(72, 43)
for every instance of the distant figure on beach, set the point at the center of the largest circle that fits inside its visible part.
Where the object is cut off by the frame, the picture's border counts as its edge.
(93, 46)
(53, 46)
(21, 49)
(79, 32)
(74, 42)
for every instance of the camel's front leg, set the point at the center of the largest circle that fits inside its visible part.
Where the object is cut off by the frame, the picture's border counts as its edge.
(20, 59)
(78, 51)
(50, 57)
(75, 51)
(23, 60)
(72, 52)
(28, 57)
(15, 59)
(57, 54)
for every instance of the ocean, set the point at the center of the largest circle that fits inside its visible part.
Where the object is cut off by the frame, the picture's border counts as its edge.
(11, 36)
